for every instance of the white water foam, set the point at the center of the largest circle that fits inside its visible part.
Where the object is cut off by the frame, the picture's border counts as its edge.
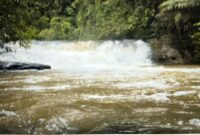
(156, 97)
(195, 122)
(59, 125)
(124, 64)
(40, 88)
(127, 56)
(7, 113)
(88, 56)
(158, 84)
(183, 93)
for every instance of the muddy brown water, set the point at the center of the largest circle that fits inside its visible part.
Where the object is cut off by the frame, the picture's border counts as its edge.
(157, 99)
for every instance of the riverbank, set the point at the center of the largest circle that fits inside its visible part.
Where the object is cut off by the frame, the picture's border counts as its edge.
(167, 50)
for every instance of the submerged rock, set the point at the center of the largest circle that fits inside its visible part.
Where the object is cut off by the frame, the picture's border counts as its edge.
(22, 66)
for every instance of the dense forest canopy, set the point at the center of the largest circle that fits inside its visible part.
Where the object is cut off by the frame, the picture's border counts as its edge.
(22, 20)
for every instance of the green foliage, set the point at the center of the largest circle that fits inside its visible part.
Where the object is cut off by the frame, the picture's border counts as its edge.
(180, 13)
(94, 19)
(23, 20)
(58, 30)
(112, 19)
(196, 34)
(12, 20)
(182, 18)
(172, 5)
(78, 19)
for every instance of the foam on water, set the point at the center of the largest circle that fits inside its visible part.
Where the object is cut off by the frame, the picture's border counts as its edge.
(177, 69)
(157, 96)
(159, 84)
(88, 56)
(7, 113)
(183, 93)
(195, 122)
(104, 97)
(82, 57)
(29, 79)
(59, 125)
(32, 79)
(124, 64)
(40, 88)
(93, 83)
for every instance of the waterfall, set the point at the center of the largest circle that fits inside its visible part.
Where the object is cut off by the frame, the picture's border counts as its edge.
(84, 55)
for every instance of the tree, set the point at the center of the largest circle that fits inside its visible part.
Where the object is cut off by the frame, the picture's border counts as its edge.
(180, 13)
(59, 28)
(172, 5)
(183, 16)
(108, 19)
(13, 22)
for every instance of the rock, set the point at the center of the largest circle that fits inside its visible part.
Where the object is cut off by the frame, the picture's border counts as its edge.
(165, 51)
(22, 66)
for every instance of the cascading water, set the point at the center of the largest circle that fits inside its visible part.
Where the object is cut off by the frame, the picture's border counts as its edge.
(97, 87)
(85, 56)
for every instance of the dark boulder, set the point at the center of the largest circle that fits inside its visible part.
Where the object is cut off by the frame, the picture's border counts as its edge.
(165, 51)
(22, 66)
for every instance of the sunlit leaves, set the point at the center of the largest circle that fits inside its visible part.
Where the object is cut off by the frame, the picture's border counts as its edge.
(59, 27)
(104, 19)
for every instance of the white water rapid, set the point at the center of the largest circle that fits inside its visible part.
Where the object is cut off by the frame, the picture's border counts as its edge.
(85, 56)
(97, 87)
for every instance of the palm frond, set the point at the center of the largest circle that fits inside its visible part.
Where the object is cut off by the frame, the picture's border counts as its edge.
(171, 5)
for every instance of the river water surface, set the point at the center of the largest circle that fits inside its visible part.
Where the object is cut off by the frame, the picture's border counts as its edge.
(98, 87)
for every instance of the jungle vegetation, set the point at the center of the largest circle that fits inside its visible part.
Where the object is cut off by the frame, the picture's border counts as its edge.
(23, 20)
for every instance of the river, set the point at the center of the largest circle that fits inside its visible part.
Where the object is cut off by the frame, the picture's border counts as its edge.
(98, 87)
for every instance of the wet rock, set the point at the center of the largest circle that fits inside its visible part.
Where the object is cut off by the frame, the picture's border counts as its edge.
(22, 66)
(165, 51)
